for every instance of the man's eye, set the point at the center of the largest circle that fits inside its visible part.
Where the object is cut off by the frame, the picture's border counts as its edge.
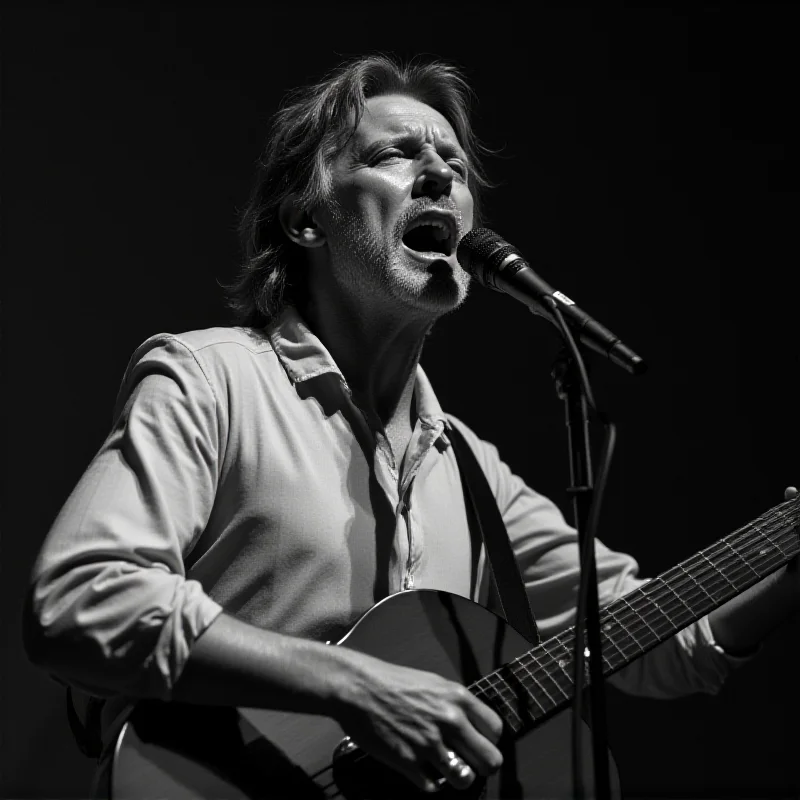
(386, 154)
(458, 166)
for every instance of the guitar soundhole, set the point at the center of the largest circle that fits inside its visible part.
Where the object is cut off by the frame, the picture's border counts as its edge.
(358, 776)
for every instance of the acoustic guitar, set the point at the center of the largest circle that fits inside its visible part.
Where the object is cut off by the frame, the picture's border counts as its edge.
(176, 751)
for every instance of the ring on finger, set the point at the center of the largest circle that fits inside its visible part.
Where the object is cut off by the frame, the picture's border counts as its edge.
(464, 772)
(456, 766)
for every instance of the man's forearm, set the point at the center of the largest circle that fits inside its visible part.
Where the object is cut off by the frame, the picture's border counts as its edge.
(743, 623)
(233, 663)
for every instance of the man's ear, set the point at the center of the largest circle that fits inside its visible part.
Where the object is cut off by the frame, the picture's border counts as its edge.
(299, 225)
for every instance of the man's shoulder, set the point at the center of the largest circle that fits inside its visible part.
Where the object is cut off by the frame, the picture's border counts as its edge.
(208, 344)
(212, 341)
(223, 351)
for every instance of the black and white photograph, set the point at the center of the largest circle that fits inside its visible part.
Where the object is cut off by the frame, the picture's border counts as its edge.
(400, 401)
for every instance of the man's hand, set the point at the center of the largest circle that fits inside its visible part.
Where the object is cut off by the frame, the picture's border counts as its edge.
(425, 726)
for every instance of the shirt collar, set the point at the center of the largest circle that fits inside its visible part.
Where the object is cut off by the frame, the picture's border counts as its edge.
(303, 356)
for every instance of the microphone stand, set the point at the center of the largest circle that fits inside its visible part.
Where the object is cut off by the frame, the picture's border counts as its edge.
(569, 388)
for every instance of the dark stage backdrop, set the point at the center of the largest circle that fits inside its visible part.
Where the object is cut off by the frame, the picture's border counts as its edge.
(649, 169)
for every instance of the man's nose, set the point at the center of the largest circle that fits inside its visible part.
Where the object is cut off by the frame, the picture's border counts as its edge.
(435, 178)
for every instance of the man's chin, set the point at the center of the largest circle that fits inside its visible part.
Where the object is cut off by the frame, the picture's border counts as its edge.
(433, 286)
(442, 292)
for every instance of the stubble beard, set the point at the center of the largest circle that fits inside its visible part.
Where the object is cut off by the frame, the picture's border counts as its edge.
(378, 270)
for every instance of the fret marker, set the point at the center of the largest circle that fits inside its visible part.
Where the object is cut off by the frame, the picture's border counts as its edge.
(764, 551)
(586, 652)
(562, 663)
(607, 626)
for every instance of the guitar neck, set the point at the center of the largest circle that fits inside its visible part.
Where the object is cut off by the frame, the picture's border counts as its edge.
(539, 683)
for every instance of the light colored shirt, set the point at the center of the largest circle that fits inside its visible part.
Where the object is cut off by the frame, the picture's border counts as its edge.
(240, 475)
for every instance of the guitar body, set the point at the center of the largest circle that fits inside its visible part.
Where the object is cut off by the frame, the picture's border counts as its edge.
(175, 751)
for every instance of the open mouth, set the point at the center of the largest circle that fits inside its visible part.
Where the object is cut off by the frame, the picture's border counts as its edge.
(430, 236)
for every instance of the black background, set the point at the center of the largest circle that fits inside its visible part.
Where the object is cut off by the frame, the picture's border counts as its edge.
(649, 169)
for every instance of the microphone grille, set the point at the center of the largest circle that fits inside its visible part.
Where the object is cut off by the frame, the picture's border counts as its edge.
(480, 249)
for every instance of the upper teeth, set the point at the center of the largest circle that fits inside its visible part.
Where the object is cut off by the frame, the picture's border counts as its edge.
(443, 227)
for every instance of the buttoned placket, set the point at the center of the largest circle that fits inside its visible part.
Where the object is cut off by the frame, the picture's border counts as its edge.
(422, 440)
(425, 433)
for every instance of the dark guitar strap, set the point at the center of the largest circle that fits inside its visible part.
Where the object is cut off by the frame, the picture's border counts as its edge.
(86, 731)
(487, 522)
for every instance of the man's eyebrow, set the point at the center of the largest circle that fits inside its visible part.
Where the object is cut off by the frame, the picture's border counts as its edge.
(411, 137)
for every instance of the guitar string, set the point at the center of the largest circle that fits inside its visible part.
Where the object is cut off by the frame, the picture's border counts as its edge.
(663, 589)
(659, 589)
(546, 668)
(661, 592)
(652, 592)
(499, 689)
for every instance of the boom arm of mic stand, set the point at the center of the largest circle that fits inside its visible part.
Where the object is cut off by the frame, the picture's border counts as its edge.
(570, 389)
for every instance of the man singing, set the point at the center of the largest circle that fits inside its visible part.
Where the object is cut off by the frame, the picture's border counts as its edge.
(264, 485)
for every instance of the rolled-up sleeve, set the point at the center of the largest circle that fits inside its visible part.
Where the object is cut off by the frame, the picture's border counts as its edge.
(110, 610)
(546, 549)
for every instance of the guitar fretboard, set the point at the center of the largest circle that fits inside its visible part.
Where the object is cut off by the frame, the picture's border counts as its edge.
(539, 683)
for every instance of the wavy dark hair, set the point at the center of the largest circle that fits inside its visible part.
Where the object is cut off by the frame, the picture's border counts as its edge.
(310, 127)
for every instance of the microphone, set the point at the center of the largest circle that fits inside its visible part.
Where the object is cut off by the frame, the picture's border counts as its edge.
(497, 265)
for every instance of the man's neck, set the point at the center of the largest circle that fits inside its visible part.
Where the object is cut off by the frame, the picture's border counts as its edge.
(377, 355)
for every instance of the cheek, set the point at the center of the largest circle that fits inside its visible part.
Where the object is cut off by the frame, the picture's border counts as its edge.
(372, 197)
(466, 206)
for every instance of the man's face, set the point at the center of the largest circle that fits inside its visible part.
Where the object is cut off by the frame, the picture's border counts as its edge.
(399, 204)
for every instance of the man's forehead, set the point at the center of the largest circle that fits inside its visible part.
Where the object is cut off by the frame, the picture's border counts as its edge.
(397, 115)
